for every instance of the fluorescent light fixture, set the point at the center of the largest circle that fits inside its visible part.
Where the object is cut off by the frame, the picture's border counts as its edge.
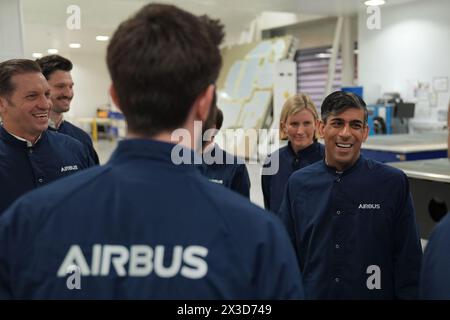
(75, 45)
(52, 51)
(37, 55)
(102, 38)
(323, 55)
(374, 2)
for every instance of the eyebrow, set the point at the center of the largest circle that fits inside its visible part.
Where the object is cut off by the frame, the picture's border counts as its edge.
(30, 92)
(27, 93)
(351, 121)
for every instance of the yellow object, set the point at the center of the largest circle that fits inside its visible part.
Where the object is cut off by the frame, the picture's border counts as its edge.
(94, 130)
(102, 114)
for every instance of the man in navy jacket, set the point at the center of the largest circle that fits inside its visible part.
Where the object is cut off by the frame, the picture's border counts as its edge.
(56, 70)
(148, 224)
(351, 219)
(31, 156)
(224, 168)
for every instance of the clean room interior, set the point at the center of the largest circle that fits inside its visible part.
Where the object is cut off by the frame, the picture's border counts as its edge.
(406, 55)
(392, 53)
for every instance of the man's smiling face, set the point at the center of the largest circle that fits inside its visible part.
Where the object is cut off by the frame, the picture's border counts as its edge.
(343, 135)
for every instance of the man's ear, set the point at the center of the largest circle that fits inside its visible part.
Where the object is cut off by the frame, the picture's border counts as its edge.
(114, 97)
(316, 129)
(366, 132)
(3, 104)
(321, 129)
(203, 102)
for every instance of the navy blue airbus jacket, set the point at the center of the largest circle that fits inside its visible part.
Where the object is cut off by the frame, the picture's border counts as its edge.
(226, 169)
(24, 168)
(435, 277)
(143, 227)
(79, 134)
(274, 186)
(355, 233)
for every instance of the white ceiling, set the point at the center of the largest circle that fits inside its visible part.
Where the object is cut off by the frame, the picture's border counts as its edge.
(45, 20)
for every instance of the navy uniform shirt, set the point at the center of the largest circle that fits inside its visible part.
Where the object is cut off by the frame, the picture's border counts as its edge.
(71, 130)
(226, 169)
(435, 277)
(142, 227)
(355, 232)
(23, 168)
(274, 186)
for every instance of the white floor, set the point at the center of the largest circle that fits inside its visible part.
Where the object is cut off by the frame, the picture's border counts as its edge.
(105, 148)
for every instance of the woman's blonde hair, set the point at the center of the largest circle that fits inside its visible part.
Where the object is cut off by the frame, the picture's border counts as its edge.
(295, 104)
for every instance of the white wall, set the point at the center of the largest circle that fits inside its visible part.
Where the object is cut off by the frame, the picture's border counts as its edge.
(271, 19)
(11, 31)
(92, 81)
(413, 44)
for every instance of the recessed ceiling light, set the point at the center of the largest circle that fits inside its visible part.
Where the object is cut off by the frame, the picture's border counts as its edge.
(75, 45)
(52, 51)
(374, 2)
(37, 55)
(102, 38)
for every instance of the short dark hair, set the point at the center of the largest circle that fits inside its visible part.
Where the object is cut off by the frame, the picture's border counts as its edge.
(52, 63)
(339, 101)
(219, 119)
(13, 67)
(160, 61)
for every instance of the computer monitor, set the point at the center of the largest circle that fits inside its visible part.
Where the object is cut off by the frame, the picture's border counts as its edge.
(404, 110)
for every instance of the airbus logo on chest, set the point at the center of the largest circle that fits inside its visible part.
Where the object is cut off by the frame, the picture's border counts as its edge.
(369, 206)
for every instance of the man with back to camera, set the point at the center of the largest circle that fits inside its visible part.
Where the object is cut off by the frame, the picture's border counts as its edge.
(56, 70)
(30, 156)
(141, 226)
(351, 219)
(434, 279)
(220, 166)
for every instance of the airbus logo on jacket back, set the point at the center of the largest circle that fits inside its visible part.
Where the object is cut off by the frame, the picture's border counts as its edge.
(138, 261)
(69, 168)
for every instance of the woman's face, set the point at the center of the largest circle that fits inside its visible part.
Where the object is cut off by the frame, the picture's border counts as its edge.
(300, 128)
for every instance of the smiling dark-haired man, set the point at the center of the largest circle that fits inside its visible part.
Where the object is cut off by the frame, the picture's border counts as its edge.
(351, 219)
(56, 70)
(31, 156)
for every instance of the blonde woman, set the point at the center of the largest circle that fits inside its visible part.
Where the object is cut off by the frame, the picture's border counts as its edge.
(298, 124)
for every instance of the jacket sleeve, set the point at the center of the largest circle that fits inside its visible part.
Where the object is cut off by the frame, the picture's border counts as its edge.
(407, 249)
(286, 212)
(93, 154)
(278, 275)
(435, 273)
(5, 289)
(89, 160)
(265, 185)
(241, 181)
